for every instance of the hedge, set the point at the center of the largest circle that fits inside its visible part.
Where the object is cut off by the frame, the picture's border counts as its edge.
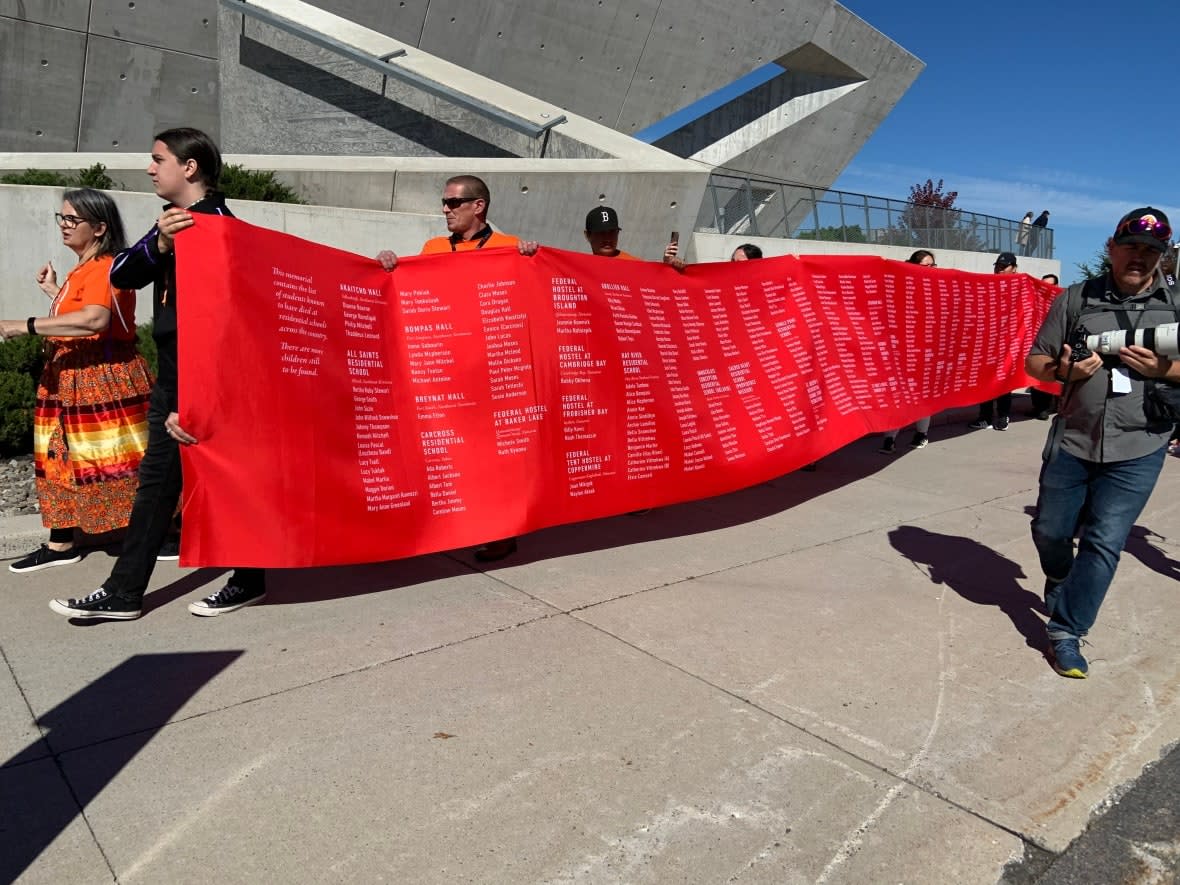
(237, 182)
(18, 394)
(21, 360)
(93, 176)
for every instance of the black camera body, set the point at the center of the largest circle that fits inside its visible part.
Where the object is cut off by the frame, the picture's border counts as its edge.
(1078, 349)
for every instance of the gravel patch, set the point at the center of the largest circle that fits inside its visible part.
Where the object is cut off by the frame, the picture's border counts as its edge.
(18, 493)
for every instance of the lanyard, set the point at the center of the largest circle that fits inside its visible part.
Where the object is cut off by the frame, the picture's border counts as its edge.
(484, 236)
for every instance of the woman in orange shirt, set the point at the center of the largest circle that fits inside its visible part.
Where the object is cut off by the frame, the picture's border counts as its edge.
(90, 423)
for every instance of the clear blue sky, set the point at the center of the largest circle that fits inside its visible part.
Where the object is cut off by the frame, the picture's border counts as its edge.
(1072, 107)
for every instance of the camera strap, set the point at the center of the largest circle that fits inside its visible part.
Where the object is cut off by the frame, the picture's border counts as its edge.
(1080, 301)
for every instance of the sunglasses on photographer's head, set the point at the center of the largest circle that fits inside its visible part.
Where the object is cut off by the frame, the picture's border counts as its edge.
(456, 202)
(1149, 226)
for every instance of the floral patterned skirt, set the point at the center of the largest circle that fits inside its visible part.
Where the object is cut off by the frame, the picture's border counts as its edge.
(90, 432)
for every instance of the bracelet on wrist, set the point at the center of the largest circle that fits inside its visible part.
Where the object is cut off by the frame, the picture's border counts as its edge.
(31, 325)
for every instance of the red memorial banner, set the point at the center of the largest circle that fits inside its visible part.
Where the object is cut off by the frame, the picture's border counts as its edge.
(346, 414)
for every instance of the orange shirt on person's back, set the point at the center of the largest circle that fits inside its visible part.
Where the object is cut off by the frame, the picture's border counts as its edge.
(90, 283)
(492, 240)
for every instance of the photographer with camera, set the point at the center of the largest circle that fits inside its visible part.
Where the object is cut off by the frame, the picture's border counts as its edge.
(1106, 446)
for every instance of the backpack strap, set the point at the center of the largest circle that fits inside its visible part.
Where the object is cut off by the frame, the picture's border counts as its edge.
(1076, 297)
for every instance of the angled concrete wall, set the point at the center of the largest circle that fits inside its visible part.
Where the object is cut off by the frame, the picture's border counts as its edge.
(282, 93)
(630, 63)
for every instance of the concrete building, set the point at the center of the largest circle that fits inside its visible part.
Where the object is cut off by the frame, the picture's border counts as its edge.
(367, 106)
(813, 80)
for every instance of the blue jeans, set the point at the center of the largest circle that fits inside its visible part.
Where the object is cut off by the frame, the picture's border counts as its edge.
(1100, 502)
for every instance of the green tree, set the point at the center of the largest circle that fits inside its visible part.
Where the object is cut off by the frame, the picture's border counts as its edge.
(845, 233)
(1099, 268)
(96, 177)
(1099, 265)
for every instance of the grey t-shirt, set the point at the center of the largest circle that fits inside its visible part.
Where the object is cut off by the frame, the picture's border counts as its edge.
(1101, 425)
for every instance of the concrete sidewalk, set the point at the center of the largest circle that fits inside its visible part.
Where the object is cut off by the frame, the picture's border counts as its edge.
(836, 677)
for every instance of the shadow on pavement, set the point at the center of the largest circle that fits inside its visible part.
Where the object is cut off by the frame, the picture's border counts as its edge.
(292, 586)
(978, 574)
(1139, 545)
(131, 703)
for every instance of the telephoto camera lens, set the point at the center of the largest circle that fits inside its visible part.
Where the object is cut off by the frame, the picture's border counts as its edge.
(1163, 340)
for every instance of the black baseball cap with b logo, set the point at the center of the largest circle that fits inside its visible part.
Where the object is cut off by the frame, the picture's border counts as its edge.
(602, 218)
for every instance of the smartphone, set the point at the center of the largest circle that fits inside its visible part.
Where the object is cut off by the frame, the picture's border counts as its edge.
(676, 237)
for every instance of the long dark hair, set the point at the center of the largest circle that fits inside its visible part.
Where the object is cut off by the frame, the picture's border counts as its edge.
(917, 257)
(97, 208)
(751, 250)
(193, 144)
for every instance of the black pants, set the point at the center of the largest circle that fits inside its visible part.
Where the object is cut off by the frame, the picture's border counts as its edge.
(151, 515)
(1041, 401)
(1000, 407)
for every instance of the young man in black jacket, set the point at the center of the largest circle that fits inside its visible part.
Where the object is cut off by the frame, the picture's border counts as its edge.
(185, 168)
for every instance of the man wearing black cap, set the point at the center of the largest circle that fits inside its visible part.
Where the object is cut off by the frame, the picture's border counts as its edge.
(1107, 444)
(994, 413)
(602, 233)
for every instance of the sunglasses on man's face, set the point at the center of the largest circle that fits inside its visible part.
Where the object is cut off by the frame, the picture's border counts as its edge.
(456, 202)
(1145, 224)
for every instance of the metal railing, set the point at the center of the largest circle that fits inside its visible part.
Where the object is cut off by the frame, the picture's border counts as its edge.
(384, 66)
(736, 204)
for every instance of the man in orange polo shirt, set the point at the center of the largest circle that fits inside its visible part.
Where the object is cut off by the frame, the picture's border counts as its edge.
(465, 201)
(602, 233)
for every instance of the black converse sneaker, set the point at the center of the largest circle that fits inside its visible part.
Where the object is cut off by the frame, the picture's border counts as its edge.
(229, 598)
(43, 557)
(169, 550)
(98, 604)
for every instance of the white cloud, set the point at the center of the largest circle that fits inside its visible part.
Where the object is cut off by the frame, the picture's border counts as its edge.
(1071, 200)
